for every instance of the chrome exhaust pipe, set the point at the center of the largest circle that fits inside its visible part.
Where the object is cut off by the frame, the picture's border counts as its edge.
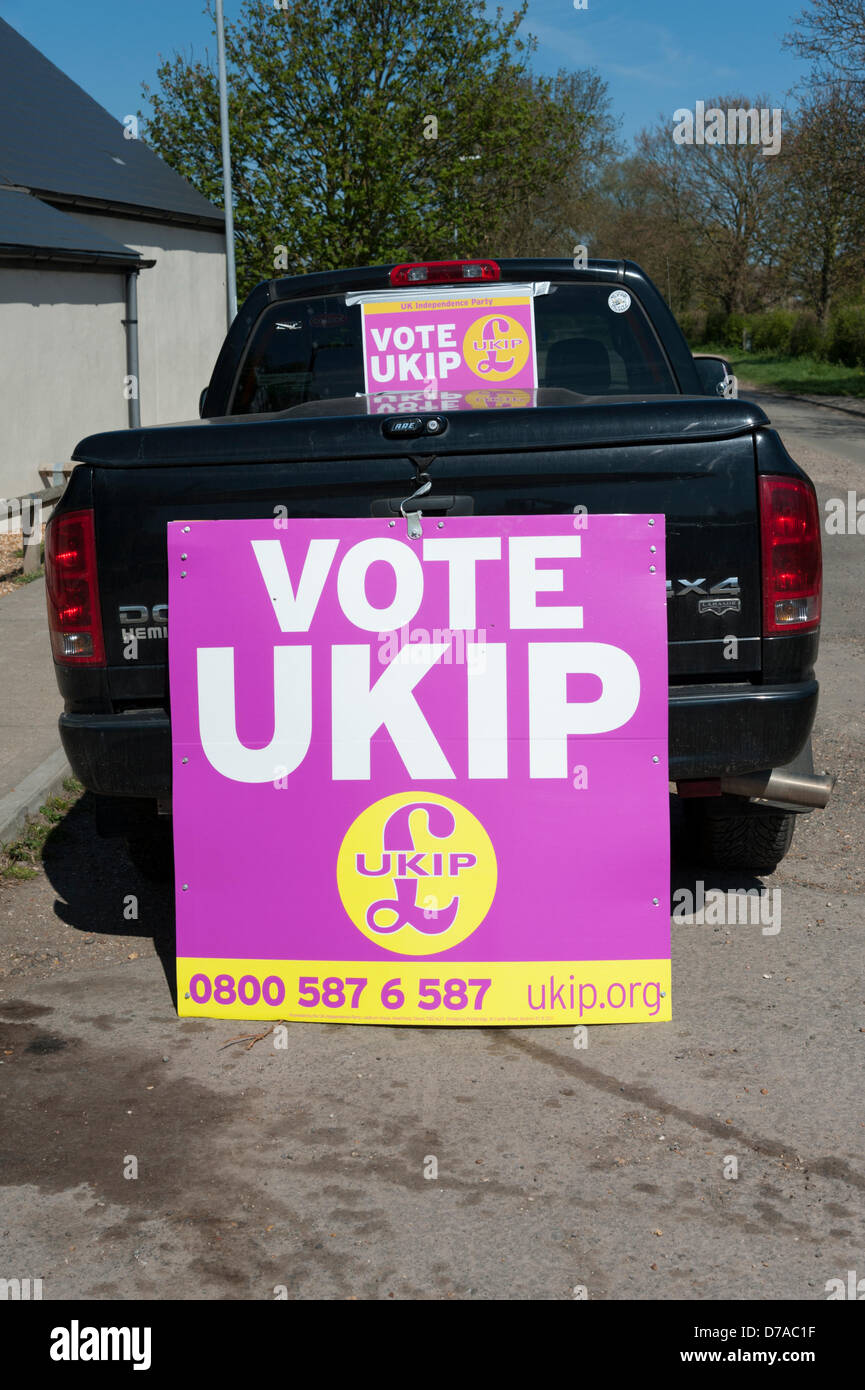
(781, 788)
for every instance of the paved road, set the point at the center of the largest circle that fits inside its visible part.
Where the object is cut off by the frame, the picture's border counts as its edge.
(604, 1167)
(839, 432)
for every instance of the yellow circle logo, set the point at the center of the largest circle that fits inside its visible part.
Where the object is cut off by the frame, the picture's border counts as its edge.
(496, 347)
(498, 400)
(416, 873)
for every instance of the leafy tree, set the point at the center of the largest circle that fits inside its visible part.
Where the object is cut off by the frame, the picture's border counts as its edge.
(577, 140)
(354, 131)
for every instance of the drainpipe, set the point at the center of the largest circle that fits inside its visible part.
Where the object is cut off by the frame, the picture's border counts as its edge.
(131, 325)
(230, 274)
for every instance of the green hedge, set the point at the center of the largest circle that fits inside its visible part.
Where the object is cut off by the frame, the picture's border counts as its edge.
(789, 333)
(845, 340)
(806, 336)
(772, 332)
(693, 324)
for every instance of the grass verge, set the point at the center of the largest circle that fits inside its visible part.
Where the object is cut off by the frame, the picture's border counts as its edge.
(18, 579)
(12, 574)
(800, 376)
(21, 859)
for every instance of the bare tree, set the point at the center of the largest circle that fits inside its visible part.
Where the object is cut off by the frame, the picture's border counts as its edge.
(641, 211)
(706, 210)
(832, 34)
(820, 215)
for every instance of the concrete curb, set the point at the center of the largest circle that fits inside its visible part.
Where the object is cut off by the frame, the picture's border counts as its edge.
(24, 801)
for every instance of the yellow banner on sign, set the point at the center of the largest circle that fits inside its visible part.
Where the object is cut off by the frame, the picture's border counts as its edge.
(443, 303)
(509, 993)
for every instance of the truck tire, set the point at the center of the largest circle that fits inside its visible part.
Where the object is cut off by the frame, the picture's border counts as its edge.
(740, 836)
(152, 852)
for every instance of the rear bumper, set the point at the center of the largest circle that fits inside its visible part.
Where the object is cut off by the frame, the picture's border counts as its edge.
(718, 730)
(120, 754)
(714, 730)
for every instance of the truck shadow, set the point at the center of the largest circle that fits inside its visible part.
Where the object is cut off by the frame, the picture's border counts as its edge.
(693, 882)
(99, 890)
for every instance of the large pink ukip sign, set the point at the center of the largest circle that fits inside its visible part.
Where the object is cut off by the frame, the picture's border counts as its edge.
(421, 781)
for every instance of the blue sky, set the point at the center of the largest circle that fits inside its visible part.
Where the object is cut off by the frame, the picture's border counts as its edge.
(657, 55)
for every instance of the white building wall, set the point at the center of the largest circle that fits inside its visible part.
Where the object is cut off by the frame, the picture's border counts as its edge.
(63, 344)
(62, 356)
(181, 311)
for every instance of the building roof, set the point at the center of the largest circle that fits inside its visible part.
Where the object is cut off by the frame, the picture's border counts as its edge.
(31, 230)
(59, 143)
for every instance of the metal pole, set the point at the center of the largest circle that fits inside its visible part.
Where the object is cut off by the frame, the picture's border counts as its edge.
(132, 347)
(230, 274)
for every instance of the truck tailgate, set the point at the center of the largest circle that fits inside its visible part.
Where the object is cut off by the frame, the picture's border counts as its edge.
(630, 457)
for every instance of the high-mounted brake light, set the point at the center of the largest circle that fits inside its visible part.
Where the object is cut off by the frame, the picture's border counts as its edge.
(792, 555)
(444, 272)
(74, 617)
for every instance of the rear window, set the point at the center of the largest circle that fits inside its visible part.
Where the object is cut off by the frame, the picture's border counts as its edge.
(311, 350)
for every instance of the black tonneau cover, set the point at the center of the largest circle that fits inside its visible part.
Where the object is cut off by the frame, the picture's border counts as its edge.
(593, 422)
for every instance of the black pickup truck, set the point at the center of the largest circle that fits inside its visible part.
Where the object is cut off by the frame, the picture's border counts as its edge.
(623, 419)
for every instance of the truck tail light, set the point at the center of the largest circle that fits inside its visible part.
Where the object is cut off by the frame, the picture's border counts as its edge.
(74, 617)
(444, 272)
(792, 555)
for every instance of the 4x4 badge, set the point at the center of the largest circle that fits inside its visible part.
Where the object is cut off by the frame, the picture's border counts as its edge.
(726, 587)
